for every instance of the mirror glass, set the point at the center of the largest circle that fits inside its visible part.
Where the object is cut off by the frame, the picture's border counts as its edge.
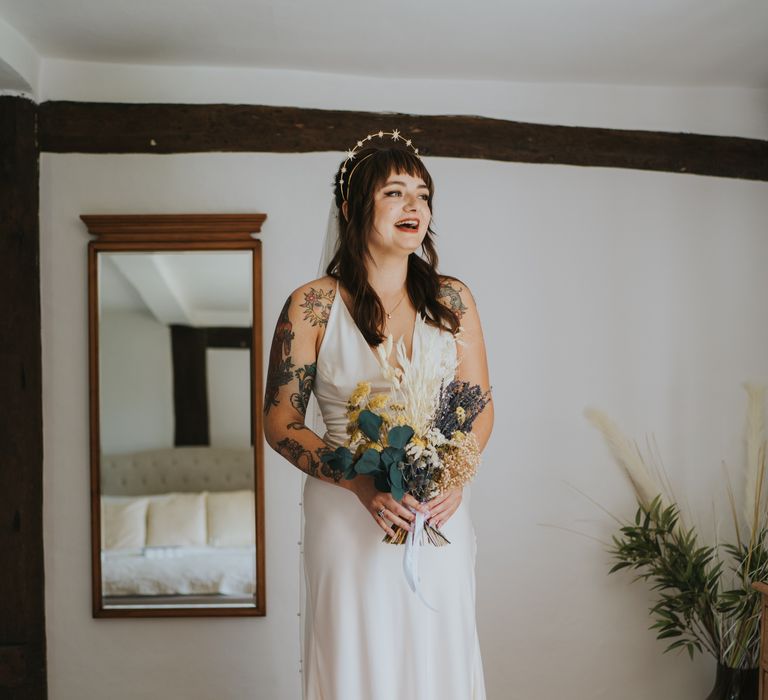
(176, 473)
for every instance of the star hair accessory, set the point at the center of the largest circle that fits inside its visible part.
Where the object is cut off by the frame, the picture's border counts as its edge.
(352, 152)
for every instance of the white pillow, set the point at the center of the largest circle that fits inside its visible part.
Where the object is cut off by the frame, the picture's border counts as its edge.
(176, 519)
(231, 519)
(123, 522)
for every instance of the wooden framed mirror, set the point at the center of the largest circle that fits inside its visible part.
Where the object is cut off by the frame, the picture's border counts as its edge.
(175, 353)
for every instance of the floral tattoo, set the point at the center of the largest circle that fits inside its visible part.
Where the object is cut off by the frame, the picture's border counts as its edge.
(452, 297)
(306, 377)
(306, 460)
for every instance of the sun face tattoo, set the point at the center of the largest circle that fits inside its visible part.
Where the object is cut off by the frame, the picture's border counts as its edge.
(317, 306)
(280, 370)
(453, 297)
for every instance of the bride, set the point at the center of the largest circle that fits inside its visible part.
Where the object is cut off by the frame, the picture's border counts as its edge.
(368, 637)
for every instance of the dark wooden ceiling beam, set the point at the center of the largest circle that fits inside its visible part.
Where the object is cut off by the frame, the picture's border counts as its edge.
(94, 127)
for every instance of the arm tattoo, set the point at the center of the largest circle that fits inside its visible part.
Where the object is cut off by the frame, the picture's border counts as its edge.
(317, 306)
(306, 460)
(306, 377)
(280, 370)
(453, 297)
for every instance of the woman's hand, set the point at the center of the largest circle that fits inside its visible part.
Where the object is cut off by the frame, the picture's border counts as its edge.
(443, 506)
(374, 500)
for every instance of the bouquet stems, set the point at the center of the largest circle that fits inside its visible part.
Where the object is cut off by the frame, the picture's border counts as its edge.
(429, 534)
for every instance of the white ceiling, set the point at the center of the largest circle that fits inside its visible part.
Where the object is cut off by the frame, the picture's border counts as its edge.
(195, 288)
(652, 42)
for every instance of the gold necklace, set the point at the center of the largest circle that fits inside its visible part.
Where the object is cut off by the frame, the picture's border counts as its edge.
(389, 314)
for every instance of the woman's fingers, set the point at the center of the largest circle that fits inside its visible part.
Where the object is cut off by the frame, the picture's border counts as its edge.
(383, 524)
(438, 510)
(445, 508)
(411, 502)
(439, 516)
(398, 509)
(394, 513)
(396, 520)
(437, 500)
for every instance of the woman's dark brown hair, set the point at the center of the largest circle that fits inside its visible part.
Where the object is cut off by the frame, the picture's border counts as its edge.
(348, 264)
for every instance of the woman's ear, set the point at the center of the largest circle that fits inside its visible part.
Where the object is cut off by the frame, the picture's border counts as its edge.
(345, 210)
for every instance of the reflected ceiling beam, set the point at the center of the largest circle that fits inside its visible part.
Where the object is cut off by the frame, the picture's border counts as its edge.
(95, 127)
(154, 285)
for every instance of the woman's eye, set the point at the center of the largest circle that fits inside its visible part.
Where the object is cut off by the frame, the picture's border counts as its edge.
(392, 192)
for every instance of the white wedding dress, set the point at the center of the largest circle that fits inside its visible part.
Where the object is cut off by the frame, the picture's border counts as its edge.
(367, 635)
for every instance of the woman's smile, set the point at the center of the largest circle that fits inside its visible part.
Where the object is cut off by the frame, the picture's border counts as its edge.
(401, 205)
(409, 224)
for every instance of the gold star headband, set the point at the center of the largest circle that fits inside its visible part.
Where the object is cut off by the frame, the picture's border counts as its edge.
(352, 152)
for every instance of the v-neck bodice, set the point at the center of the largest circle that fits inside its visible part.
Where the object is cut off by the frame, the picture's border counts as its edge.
(345, 359)
(351, 321)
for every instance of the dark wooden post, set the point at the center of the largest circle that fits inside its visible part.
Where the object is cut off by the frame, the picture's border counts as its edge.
(22, 609)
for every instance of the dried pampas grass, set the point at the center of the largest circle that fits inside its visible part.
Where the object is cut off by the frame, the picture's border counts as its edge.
(754, 497)
(646, 481)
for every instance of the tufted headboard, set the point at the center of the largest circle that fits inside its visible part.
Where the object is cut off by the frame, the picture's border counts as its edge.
(178, 469)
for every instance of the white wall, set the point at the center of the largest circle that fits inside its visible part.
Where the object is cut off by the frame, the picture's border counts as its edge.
(135, 383)
(725, 111)
(229, 396)
(637, 292)
(136, 387)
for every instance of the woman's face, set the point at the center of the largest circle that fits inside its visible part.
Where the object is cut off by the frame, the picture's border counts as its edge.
(401, 215)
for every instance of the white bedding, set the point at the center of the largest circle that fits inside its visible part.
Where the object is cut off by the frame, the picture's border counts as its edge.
(179, 571)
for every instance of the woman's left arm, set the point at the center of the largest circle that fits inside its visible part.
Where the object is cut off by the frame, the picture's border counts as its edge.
(473, 368)
(473, 361)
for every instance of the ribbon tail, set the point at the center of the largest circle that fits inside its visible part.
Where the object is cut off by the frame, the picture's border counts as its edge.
(411, 558)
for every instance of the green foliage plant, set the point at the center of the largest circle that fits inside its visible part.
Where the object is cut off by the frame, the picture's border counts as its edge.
(705, 599)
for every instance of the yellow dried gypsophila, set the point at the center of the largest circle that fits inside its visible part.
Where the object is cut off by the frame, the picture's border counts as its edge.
(359, 394)
(378, 401)
(367, 445)
(461, 414)
(460, 462)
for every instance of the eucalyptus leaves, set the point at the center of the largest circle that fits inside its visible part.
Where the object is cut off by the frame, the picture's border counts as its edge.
(380, 462)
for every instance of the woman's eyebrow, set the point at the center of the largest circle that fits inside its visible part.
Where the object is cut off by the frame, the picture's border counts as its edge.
(400, 182)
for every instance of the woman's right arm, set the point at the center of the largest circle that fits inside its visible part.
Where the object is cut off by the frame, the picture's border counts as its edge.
(290, 376)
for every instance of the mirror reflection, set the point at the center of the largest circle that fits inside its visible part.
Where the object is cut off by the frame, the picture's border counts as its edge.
(177, 494)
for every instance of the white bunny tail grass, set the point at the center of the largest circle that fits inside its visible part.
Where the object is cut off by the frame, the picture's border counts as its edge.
(755, 462)
(629, 458)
